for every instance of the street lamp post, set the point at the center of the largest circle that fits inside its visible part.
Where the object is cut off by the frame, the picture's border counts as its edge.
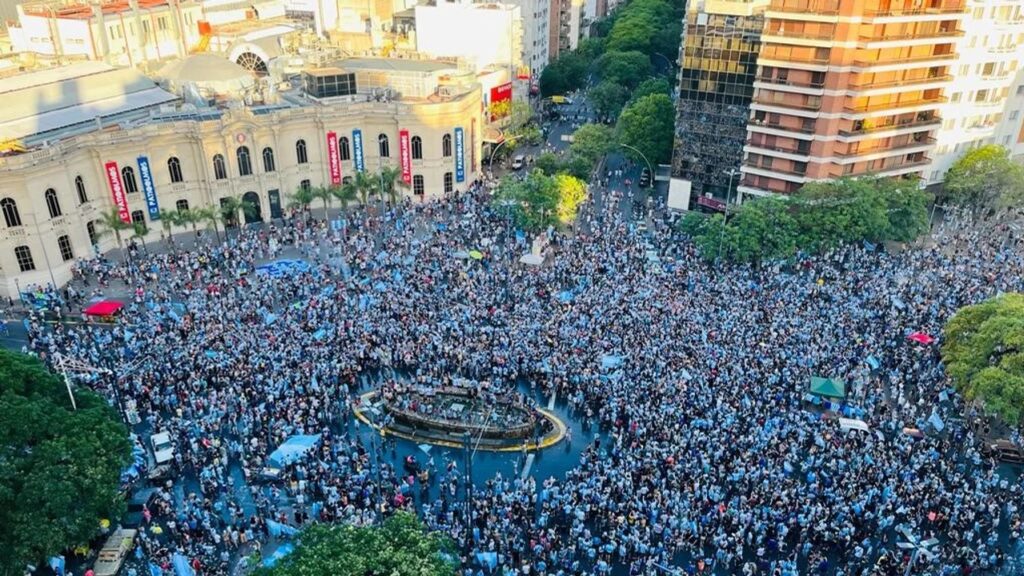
(732, 173)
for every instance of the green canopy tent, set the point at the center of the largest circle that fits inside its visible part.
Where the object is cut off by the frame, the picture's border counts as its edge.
(831, 387)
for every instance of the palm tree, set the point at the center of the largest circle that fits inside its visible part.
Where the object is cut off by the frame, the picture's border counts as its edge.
(191, 217)
(345, 193)
(324, 194)
(139, 230)
(111, 222)
(390, 180)
(301, 198)
(231, 206)
(168, 220)
(211, 217)
(365, 186)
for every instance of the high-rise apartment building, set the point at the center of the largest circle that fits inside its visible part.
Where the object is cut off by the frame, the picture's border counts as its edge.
(848, 87)
(721, 41)
(982, 108)
(565, 29)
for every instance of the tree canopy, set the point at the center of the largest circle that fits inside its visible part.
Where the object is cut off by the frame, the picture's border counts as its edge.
(638, 26)
(984, 178)
(592, 142)
(983, 351)
(648, 124)
(400, 546)
(59, 468)
(627, 69)
(823, 215)
(567, 73)
(608, 98)
(651, 86)
(540, 200)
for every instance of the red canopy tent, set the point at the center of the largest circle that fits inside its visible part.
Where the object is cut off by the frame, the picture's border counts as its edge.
(104, 308)
(921, 338)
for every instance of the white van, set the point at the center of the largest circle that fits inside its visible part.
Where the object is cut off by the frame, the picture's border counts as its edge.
(848, 425)
(518, 162)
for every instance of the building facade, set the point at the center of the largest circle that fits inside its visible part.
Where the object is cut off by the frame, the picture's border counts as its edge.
(721, 41)
(566, 27)
(983, 107)
(53, 197)
(482, 35)
(848, 87)
(536, 16)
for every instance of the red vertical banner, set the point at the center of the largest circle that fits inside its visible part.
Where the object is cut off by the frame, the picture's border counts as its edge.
(117, 191)
(333, 159)
(405, 155)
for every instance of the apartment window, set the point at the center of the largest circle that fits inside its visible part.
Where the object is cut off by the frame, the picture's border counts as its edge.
(161, 23)
(181, 205)
(382, 144)
(64, 243)
(305, 185)
(131, 185)
(417, 148)
(988, 69)
(268, 159)
(220, 170)
(1014, 114)
(417, 185)
(981, 95)
(80, 188)
(343, 150)
(1006, 140)
(52, 204)
(24, 256)
(955, 97)
(300, 152)
(1020, 90)
(244, 162)
(138, 217)
(446, 146)
(448, 182)
(174, 168)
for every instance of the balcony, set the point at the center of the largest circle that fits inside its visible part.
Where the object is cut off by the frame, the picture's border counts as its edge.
(896, 105)
(1002, 49)
(775, 170)
(917, 124)
(823, 9)
(784, 104)
(795, 59)
(757, 147)
(866, 85)
(781, 127)
(792, 83)
(911, 36)
(903, 60)
(912, 11)
(927, 141)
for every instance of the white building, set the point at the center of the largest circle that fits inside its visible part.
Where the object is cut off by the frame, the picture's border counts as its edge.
(482, 35)
(536, 32)
(983, 104)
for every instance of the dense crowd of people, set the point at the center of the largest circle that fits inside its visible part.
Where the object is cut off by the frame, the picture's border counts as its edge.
(705, 456)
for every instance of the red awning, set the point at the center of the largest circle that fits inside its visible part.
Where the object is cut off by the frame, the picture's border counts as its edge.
(104, 308)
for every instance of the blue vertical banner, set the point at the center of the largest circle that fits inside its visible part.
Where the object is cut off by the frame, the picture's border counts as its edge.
(460, 156)
(148, 190)
(357, 149)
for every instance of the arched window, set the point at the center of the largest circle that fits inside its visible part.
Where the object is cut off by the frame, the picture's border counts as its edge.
(80, 188)
(417, 148)
(300, 152)
(382, 144)
(64, 243)
(52, 204)
(268, 159)
(244, 162)
(174, 167)
(447, 182)
(90, 229)
(11, 215)
(446, 146)
(131, 185)
(346, 180)
(343, 149)
(305, 185)
(417, 185)
(220, 170)
(24, 256)
(181, 205)
(138, 217)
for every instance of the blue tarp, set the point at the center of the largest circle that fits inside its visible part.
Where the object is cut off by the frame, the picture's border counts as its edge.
(281, 268)
(278, 529)
(873, 362)
(487, 559)
(181, 565)
(292, 450)
(282, 551)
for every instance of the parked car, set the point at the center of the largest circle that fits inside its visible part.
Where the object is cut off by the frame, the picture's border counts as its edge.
(111, 556)
(645, 178)
(1004, 451)
(163, 450)
(518, 162)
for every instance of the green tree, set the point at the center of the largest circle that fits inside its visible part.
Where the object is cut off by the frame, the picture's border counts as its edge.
(985, 178)
(592, 142)
(608, 98)
(627, 69)
(110, 223)
(213, 218)
(232, 209)
(139, 231)
(59, 468)
(324, 195)
(983, 351)
(168, 220)
(649, 125)
(390, 181)
(534, 200)
(565, 74)
(638, 25)
(571, 193)
(652, 86)
(345, 193)
(548, 163)
(301, 198)
(364, 186)
(577, 167)
(192, 217)
(400, 546)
